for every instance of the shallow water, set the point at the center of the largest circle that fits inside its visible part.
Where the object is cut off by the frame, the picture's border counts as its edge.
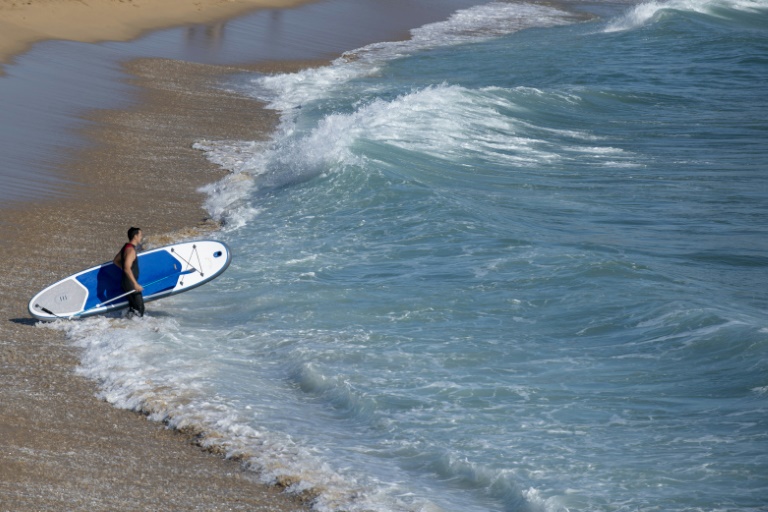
(45, 91)
(515, 263)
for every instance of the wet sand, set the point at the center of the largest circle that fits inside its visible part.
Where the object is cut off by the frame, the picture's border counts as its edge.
(63, 449)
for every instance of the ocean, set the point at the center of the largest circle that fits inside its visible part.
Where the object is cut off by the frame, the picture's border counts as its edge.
(518, 262)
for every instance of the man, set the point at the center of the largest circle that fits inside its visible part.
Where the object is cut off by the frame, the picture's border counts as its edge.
(126, 259)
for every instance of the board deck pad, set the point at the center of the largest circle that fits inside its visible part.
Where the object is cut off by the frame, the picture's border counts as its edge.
(162, 272)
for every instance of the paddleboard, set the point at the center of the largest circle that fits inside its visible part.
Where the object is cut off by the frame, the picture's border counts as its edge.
(163, 272)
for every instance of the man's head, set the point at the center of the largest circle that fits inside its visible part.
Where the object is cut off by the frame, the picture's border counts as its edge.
(133, 233)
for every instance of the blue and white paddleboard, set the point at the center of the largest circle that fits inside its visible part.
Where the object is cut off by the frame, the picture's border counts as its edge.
(162, 272)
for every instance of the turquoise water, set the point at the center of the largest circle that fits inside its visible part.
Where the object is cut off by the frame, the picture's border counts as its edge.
(517, 263)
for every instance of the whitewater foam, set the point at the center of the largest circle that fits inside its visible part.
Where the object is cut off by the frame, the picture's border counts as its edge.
(226, 199)
(149, 365)
(286, 92)
(648, 12)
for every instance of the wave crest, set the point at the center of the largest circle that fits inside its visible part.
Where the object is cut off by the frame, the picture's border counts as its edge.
(648, 12)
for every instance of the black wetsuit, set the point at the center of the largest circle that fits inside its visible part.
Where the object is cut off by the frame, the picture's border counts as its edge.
(135, 300)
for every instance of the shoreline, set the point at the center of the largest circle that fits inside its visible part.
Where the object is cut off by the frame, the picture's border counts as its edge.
(65, 449)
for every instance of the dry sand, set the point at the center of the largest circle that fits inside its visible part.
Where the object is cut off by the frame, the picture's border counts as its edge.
(24, 22)
(62, 449)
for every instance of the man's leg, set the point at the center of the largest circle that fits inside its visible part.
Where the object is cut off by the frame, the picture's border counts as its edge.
(136, 304)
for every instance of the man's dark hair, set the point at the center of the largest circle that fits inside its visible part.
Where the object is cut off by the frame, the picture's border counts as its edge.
(132, 233)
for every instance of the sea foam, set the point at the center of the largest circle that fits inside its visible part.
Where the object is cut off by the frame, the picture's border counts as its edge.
(648, 12)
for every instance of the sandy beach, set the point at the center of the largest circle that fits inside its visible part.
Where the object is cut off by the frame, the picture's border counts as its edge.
(64, 449)
(23, 23)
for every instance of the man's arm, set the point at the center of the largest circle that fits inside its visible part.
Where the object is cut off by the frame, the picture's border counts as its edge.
(129, 257)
